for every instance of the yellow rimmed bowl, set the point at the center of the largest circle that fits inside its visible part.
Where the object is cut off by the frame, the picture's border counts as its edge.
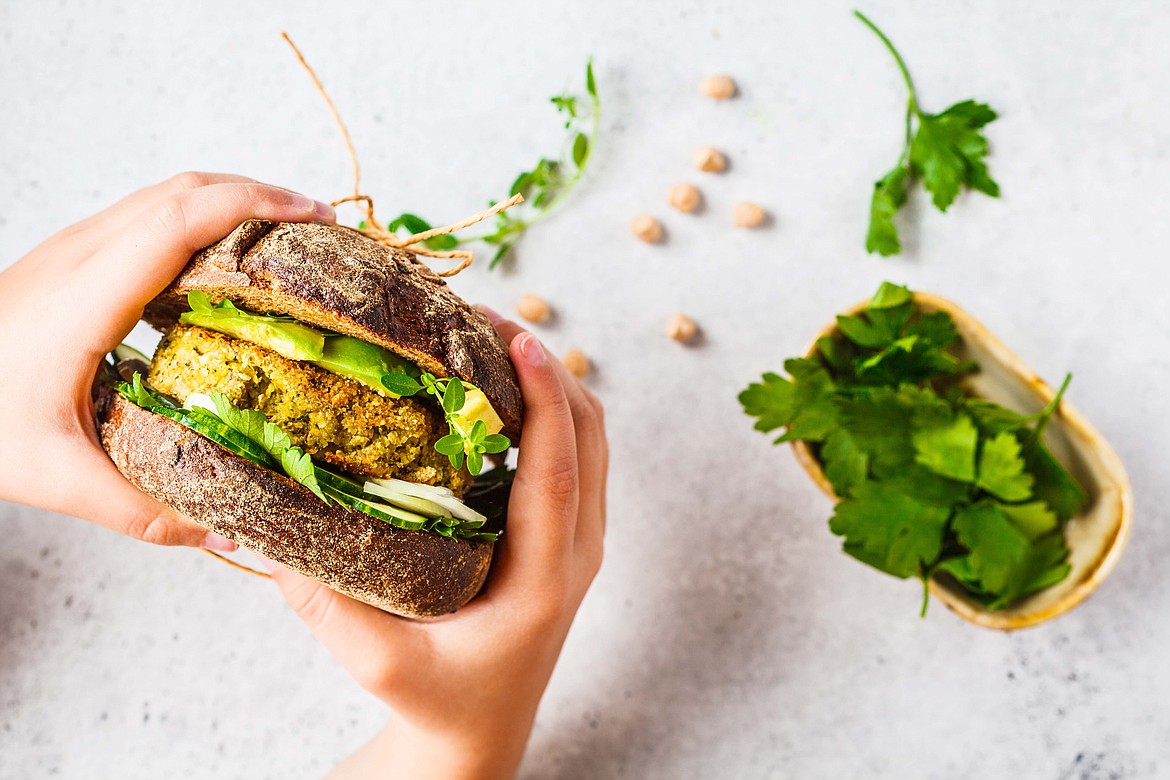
(1095, 537)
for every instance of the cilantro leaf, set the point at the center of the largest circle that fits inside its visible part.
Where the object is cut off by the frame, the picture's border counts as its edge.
(1002, 469)
(889, 530)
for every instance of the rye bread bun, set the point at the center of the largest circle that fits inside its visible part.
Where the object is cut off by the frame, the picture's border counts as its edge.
(411, 573)
(336, 278)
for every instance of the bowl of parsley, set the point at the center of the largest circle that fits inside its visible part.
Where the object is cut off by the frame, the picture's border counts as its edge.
(950, 461)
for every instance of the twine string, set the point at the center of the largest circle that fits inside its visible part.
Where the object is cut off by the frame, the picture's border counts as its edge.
(374, 229)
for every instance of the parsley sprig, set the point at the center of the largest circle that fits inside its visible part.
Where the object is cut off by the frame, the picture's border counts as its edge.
(946, 151)
(931, 480)
(466, 439)
(544, 187)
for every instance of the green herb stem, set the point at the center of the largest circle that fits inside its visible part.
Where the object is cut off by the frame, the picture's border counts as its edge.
(898, 59)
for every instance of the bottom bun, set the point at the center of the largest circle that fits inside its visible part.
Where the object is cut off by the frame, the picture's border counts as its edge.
(411, 573)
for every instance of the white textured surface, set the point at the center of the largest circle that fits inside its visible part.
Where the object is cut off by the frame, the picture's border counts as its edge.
(727, 636)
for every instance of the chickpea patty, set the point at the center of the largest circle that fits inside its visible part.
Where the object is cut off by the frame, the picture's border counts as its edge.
(338, 421)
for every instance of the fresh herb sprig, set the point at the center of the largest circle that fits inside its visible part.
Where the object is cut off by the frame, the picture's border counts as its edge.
(466, 439)
(930, 479)
(544, 187)
(946, 151)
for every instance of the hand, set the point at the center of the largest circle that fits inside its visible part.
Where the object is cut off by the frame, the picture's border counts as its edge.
(70, 301)
(464, 688)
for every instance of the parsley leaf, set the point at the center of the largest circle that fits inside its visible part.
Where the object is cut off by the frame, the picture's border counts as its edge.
(1002, 468)
(946, 150)
(889, 530)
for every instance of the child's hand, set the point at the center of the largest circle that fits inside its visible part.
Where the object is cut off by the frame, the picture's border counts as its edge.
(464, 688)
(72, 300)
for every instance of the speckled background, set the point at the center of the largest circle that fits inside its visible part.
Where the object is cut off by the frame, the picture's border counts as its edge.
(727, 635)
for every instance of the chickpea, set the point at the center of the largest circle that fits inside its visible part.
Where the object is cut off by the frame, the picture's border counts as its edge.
(719, 87)
(646, 228)
(748, 215)
(709, 160)
(682, 328)
(577, 363)
(533, 308)
(684, 197)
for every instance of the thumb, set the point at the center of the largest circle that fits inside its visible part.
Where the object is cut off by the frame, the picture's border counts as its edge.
(375, 647)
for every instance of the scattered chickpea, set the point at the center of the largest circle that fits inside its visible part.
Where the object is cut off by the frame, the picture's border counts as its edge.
(682, 328)
(533, 308)
(577, 363)
(684, 197)
(709, 160)
(646, 228)
(748, 215)
(719, 87)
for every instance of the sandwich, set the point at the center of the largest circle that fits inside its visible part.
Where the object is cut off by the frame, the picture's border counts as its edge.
(329, 403)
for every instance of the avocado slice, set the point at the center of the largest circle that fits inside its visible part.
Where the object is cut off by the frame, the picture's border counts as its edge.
(282, 335)
(362, 361)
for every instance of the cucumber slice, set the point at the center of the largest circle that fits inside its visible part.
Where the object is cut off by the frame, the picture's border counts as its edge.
(406, 501)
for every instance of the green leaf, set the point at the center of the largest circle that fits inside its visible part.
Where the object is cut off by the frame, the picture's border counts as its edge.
(1054, 485)
(478, 432)
(890, 296)
(495, 443)
(1034, 519)
(521, 185)
(948, 150)
(400, 384)
(946, 446)
(889, 530)
(846, 464)
(454, 396)
(997, 547)
(889, 193)
(580, 149)
(590, 83)
(412, 222)
(503, 250)
(936, 329)
(879, 425)
(443, 242)
(773, 401)
(863, 333)
(474, 462)
(450, 444)
(199, 301)
(1002, 470)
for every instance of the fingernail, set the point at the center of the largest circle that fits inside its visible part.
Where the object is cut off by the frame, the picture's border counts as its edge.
(214, 541)
(532, 351)
(493, 315)
(324, 211)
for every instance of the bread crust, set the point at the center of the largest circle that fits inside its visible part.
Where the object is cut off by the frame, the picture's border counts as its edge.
(336, 278)
(410, 573)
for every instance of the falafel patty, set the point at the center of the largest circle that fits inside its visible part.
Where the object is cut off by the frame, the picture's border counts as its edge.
(335, 419)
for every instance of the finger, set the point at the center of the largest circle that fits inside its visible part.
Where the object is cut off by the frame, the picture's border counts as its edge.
(75, 243)
(97, 491)
(374, 646)
(115, 283)
(542, 510)
(589, 429)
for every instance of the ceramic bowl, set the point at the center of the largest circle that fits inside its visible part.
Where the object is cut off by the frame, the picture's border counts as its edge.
(1095, 537)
